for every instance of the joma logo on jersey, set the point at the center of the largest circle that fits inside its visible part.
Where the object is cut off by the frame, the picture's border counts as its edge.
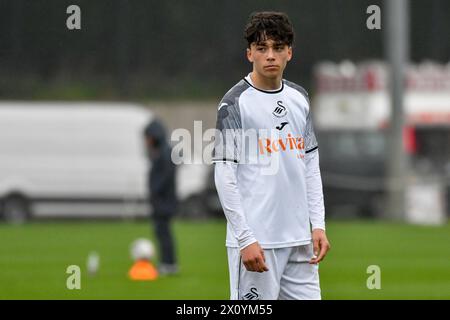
(280, 111)
(277, 145)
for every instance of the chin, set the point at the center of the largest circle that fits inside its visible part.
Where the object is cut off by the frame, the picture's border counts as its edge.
(272, 75)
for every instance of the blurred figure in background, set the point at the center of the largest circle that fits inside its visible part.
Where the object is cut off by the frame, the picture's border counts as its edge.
(161, 186)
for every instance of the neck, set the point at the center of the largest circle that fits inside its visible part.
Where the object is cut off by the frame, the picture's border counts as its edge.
(265, 83)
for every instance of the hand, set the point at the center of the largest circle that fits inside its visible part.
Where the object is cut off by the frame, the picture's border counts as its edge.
(253, 258)
(320, 245)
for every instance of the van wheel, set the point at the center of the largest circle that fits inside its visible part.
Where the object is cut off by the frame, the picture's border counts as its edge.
(15, 210)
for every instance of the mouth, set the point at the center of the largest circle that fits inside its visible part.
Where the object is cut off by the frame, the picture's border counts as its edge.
(271, 67)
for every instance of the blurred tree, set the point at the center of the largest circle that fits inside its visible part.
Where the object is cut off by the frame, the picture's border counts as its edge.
(149, 48)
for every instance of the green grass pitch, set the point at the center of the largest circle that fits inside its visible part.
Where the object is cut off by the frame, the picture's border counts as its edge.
(414, 261)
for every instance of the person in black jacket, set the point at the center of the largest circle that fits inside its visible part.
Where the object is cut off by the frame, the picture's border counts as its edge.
(161, 186)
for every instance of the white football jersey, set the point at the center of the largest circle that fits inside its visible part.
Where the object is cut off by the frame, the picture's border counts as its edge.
(268, 134)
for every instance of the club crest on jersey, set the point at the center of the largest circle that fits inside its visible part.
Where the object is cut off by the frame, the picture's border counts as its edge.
(280, 111)
(252, 295)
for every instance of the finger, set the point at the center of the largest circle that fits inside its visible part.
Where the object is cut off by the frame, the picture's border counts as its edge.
(260, 261)
(252, 266)
(323, 252)
(262, 266)
(263, 263)
(255, 264)
(263, 255)
(248, 266)
(316, 247)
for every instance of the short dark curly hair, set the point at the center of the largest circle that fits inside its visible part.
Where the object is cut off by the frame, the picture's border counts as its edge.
(269, 25)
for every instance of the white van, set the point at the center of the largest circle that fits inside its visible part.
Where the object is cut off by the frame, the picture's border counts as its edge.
(72, 160)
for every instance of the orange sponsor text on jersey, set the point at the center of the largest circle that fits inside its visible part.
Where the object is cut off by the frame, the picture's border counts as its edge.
(282, 144)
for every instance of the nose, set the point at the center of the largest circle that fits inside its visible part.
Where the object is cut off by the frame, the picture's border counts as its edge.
(270, 54)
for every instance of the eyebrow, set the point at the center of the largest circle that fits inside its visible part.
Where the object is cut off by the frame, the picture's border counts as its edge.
(276, 44)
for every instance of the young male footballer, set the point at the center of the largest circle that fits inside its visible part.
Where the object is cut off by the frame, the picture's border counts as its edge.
(276, 218)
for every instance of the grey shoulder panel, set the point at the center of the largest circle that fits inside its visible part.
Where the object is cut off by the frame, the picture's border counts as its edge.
(298, 88)
(232, 96)
(310, 137)
(229, 124)
(229, 114)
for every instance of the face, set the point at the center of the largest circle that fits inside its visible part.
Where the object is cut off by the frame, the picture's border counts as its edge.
(269, 58)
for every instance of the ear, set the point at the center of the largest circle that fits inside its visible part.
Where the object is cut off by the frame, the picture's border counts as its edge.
(249, 55)
(289, 54)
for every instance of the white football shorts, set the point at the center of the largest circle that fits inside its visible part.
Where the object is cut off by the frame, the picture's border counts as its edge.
(290, 276)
